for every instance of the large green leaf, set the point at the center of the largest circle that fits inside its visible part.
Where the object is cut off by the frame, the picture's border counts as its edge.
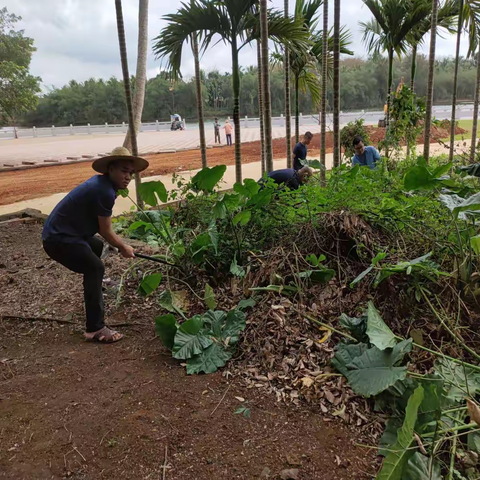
(209, 360)
(210, 297)
(471, 204)
(149, 284)
(377, 330)
(207, 178)
(389, 436)
(418, 468)
(243, 217)
(248, 189)
(460, 381)
(261, 198)
(172, 301)
(319, 277)
(149, 191)
(215, 321)
(235, 323)
(475, 244)
(371, 371)
(166, 328)
(190, 340)
(396, 461)
(356, 326)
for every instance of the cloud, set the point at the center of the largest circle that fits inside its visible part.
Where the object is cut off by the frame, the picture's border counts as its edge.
(77, 39)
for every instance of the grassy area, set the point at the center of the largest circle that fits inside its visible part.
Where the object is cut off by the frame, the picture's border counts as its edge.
(467, 125)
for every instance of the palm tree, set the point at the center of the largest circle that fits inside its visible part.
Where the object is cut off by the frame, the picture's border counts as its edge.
(267, 106)
(260, 104)
(388, 30)
(431, 72)
(128, 93)
(336, 84)
(323, 139)
(234, 21)
(288, 112)
(141, 73)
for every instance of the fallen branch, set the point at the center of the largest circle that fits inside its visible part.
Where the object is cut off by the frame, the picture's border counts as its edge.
(221, 400)
(36, 319)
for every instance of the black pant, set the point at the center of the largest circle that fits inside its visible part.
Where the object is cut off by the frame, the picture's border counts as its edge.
(84, 258)
(217, 136)
(229, 138)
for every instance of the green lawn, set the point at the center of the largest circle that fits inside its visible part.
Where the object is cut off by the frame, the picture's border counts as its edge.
(467, 125)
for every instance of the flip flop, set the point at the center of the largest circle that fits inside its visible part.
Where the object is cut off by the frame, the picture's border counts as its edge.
(105, 335)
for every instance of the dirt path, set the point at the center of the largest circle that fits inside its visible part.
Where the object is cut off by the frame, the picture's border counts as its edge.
(69, 409)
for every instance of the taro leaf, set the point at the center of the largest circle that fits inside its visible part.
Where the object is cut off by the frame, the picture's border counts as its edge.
(475, 243)
(149, 284)
(454, 374)
(356, 326)
(472, 169)
(136, 225)
(361, 276)
(389, 436)
(246, 303)
(345, 354)
(242, 218)
(418, 468)
(442, 170)
(213, 235)
(209, 360)
(419, 177)
(248, 189)
(190, 340)
(318, 277)
(207, 178)
(215, 321)
(149, 191)
(166, 328)
(374, 370)
(233, 326)
(260, 199)
(210, 297)
(199, 247)
(473, 442)
(430, 410)
(396, 461)
(172, 301)
(469, 205)
(123, 192)
(377, 330)
(236, 269)
(219, 210)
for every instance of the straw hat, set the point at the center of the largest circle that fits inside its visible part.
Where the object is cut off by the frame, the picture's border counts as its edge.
(120, 153)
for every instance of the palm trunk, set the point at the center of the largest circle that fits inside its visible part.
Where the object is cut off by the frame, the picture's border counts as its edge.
(324, 90)
(198, 86)
(336, 85)
(455, 82)
(128, 93)
(413, 71)
(267, 105)
(236, 110)
(297, 113)
(389, 86)
(260, 104)
(288, 112)
(431, 73)
(475, 111)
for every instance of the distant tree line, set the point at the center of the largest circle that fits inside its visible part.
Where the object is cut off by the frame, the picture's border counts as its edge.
(363, 86)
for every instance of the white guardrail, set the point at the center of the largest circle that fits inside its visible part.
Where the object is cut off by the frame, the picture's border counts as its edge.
(440, 112)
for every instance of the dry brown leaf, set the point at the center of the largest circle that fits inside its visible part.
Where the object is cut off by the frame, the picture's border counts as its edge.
(307, 381)
(420, 444)
(474, 411)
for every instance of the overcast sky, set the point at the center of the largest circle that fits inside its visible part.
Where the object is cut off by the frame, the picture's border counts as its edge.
(77, 39)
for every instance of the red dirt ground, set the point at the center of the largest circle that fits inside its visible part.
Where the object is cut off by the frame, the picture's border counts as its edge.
(19, 185)
(70, 409)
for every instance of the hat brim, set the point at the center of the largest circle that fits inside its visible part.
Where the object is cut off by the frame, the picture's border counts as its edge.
(101, 164)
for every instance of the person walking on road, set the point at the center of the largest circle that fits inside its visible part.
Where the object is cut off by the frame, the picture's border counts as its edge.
(300, 150)
(216, 129)
(228, 132)
(69, 233)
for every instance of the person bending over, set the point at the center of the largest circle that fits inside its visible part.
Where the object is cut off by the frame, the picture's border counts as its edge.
(290, 177)
(364, 156)
(300, 150)
(69, 233)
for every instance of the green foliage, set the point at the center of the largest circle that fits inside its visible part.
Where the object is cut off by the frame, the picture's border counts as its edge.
(349, 132)
(149, 284)
(207, 178)
(206, 341)
(151, 192)
(377, 330)
(210, 297)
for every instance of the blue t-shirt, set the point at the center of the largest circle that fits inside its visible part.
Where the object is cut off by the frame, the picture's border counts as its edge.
(75, 218)
(368, 159)
(287, 176)
(300, 152)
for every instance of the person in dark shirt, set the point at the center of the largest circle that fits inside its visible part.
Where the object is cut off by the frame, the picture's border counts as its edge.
(290, 177)
(300, 150)
(69, 233)
(216, 129)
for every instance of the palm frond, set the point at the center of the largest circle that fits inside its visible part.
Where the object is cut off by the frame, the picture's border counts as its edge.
(308, 80)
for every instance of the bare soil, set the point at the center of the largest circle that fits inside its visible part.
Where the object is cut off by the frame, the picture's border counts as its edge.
(19, 185)
(71, 409)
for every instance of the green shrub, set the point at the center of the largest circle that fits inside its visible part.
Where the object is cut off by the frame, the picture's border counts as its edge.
(349, 132)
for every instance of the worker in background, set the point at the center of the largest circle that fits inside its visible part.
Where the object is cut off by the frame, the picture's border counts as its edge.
(364, 156)
(69, 233)
(228, 132)
(300, 150)
(216, 129)
(290, 177)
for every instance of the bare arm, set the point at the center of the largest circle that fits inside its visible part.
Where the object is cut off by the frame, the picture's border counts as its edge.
(106, 231)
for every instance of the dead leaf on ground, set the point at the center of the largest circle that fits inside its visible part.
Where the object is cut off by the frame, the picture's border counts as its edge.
(289, 474)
